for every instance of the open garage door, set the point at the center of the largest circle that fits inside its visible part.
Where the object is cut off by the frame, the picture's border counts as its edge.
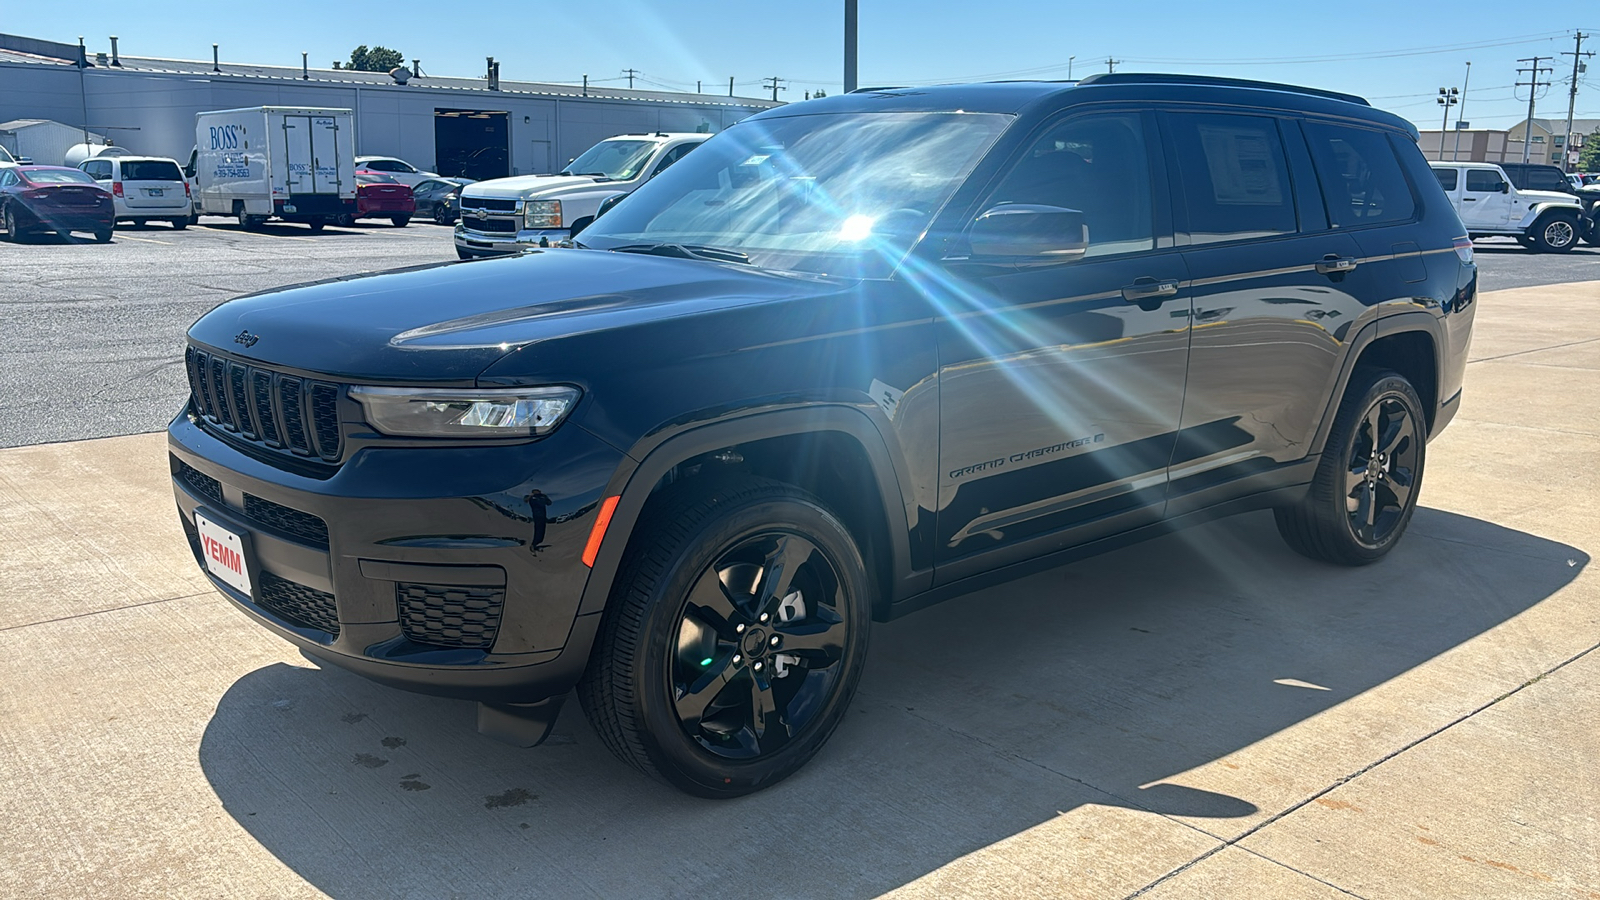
(472, 143)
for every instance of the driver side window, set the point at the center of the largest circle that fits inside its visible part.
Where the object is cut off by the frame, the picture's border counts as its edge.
(1097, 165)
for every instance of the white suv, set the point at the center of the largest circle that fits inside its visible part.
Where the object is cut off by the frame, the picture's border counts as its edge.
(509, 215)
(1490, 205)
(143, 188)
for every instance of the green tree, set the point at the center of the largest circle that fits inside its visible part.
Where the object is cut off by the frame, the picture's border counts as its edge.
(1589, 156)
(378, 59)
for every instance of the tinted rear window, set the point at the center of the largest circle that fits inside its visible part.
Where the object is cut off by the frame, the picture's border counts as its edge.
(1361, 178)
(151, 170)
(1235, 177)
(1447, 178)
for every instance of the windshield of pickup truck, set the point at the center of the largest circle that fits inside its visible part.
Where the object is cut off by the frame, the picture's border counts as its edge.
(846, 193)
(616, 160)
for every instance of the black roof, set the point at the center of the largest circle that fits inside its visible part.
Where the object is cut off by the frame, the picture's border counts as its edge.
(1017, 97)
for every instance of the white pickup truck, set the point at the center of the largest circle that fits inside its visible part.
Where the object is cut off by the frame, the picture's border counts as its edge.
(509, 215)
(1489, 205)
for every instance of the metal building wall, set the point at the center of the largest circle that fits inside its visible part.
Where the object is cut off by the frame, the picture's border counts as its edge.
(153, 113)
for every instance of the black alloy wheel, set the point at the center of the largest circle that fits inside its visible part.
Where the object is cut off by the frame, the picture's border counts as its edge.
(1381, 471)
(1368, 479)
(734, 637)
(441, 214)
(759, 646)
(11, 225)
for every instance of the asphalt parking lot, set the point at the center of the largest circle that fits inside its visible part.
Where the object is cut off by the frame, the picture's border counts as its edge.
(1204, 715)
(99, 329)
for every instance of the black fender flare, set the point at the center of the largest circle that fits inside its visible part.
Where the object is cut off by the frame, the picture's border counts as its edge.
(1385, 326)
(633, 485)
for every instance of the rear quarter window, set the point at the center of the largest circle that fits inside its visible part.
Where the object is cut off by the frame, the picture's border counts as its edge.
(151, 170)
(1362, 181)
(1235, 177)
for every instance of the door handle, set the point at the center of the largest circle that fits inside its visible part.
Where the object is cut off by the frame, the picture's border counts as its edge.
(1336, 265)
(1469, 199)
(1145, 290)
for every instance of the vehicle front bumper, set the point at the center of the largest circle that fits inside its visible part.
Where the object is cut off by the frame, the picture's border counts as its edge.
(477, 242)
(417, 541)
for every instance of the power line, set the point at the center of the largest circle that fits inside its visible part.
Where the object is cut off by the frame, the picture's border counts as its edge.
(1532, 84)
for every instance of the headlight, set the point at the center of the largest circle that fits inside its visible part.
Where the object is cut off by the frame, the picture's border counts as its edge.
(541, 214)
(498, 412)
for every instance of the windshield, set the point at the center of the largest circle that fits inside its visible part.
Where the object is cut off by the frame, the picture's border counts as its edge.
(828, 194)
(57, 176)
(616, 160)
(5, 156)
(151, 170)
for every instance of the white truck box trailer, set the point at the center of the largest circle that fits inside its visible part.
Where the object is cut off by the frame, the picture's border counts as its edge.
(295, 163)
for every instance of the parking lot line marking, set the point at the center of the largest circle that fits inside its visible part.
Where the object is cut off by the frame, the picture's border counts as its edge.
(125, 237)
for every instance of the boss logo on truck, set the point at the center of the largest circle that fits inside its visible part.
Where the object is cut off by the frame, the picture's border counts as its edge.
(224, 137)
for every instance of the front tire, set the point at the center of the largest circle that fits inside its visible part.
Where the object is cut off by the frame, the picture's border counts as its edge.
(1556, 233)
(734, 638)
(441, 215)
(13, 235)
(1367, 481)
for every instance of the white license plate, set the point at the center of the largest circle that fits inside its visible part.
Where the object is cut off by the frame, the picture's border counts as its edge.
(154, 192)
(289, 208)
(224, 553)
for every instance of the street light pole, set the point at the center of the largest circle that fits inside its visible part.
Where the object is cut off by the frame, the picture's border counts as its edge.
(849, 46)
(1459, 113)
(1448, 97)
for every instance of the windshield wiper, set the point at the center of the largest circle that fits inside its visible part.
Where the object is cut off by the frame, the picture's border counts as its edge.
(687, 251)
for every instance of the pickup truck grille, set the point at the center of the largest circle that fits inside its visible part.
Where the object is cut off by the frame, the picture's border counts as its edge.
(263, 407)
(490, 226)
(493, 204)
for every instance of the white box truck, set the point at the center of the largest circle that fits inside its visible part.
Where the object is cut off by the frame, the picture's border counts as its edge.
(295, 163)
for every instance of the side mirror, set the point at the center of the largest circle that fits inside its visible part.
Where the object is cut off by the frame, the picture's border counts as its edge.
(607, 203)
(1028, 234)
(1505, 187)
(24, 160)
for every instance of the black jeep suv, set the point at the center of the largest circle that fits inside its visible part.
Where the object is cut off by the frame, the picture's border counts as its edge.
(851, 357)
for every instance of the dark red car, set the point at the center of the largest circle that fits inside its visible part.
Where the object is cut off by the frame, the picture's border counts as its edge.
(53, 199)
(380, 197)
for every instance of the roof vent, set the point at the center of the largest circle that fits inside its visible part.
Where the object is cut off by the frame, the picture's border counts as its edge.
(400, 74)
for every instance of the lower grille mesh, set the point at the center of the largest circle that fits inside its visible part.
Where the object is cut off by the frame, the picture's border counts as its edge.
(449, 616)
(304, 606)
(302, 525)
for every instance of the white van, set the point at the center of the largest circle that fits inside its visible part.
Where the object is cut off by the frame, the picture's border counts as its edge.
(143, 188)
(293, 163)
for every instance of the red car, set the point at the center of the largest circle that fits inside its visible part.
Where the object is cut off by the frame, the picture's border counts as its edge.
(380, 197)
(53, 199)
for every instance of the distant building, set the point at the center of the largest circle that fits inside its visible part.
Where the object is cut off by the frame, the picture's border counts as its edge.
(1505, 145)
(42, 140)
(477, 127)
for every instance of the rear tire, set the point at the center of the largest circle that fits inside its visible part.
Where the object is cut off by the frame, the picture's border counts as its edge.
(12, 234)
(141, 223)
(719, 581)
(1556, 232)
(400, 221)
(180, 224)
(441, 215)
(316, 224)
(345, 220)
(1368, 479)
(103, 236)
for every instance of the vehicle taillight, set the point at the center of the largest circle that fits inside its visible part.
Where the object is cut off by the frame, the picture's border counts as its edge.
(186, 191)
(1464, 249)
(116, 188)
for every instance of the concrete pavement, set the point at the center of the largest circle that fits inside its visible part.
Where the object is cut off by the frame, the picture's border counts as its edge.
(1204, 715)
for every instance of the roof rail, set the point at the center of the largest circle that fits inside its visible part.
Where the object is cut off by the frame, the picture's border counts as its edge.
(1214, 81)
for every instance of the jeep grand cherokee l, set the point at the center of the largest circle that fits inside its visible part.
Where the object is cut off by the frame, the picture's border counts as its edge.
(847, 359)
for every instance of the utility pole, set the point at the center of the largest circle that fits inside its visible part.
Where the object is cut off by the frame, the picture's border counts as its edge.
(776, 84)
(630, 73)
(1459, 113)
(1069, 67)
(1532, 84)
(1447, 98)
(1111, 64)
(1577, 55)
(849, 46)
(730, 85)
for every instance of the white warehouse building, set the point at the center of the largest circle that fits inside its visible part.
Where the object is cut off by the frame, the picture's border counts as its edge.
(476, 127)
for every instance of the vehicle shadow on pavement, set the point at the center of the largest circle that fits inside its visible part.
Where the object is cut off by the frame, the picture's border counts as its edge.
(978, 719)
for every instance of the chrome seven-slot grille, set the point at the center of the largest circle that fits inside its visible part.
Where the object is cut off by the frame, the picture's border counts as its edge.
(273, 409)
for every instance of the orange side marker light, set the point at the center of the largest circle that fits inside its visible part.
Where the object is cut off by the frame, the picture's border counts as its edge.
(598, 532)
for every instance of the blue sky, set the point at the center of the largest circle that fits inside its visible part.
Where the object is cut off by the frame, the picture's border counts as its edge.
(1395, 53)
